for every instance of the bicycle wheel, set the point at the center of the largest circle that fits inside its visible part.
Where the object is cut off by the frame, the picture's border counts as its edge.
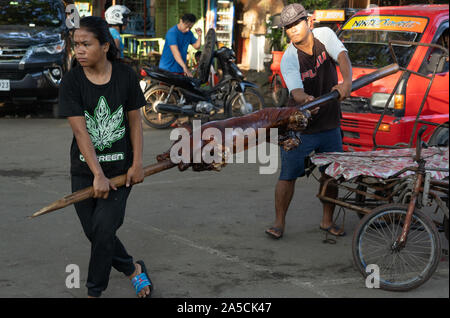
(158, 94)
(279, 93)
(254, 102)
(400, 269)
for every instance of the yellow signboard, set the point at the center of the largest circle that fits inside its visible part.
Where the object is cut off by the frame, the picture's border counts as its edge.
(329, 15)
(387, 23)
(84, 9)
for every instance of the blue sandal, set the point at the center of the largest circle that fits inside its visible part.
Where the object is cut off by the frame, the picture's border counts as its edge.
(142, 280)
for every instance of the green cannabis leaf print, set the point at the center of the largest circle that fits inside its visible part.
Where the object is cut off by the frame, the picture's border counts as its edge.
(103, 127)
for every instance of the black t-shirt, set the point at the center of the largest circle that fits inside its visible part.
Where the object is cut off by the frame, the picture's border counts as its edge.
(105, 109)
(318, 75)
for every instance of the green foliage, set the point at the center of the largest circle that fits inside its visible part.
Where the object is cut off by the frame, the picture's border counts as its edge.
(276, 36)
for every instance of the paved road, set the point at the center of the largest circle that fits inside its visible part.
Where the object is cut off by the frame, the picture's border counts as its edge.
(200, 234)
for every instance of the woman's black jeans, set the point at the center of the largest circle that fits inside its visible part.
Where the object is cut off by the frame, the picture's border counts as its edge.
(100, 219)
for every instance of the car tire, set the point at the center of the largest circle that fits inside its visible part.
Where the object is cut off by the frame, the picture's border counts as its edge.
(55, 110)
(439, 136)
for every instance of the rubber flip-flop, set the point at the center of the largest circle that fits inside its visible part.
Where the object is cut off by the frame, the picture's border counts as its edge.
(336, 228)
(142, 280)
(278, 233)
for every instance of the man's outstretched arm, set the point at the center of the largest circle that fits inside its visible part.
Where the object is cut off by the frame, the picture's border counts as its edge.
(345, 67)
(178, 58)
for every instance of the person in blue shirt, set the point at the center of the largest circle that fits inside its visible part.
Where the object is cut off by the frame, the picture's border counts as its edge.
(178, 38)
(117, 18)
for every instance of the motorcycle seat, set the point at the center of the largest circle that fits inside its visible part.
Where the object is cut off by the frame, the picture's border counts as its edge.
(174, 79)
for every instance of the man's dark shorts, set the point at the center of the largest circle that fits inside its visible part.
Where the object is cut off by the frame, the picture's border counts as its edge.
(293, 161)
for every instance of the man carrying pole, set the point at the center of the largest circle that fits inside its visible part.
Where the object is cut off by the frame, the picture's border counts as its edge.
(309, 70)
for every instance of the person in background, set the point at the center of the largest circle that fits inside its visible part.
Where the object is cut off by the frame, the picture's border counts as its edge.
(178, 38)
(308, 67)
(117, 18)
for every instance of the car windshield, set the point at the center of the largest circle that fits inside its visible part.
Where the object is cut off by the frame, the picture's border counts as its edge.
(369, 48)
(31, 13)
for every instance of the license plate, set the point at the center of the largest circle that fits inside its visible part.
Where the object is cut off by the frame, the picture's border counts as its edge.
(4, 85)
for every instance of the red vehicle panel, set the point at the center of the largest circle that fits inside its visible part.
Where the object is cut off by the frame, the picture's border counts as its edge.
(366, 37)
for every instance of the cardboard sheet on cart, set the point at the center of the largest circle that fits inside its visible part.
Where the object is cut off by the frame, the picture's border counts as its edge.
(381, 163)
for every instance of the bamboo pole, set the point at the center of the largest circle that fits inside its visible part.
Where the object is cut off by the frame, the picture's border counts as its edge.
(88, 192)
(119, 181)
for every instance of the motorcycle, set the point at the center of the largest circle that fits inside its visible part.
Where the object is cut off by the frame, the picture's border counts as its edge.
(280, 93)
(178, 96)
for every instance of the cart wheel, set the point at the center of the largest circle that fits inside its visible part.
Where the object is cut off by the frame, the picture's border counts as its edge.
(400, 269)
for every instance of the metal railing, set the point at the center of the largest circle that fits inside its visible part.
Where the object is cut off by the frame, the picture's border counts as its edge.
(394, 91)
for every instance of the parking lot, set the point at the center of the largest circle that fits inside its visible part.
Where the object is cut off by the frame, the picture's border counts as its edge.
(201, 234)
